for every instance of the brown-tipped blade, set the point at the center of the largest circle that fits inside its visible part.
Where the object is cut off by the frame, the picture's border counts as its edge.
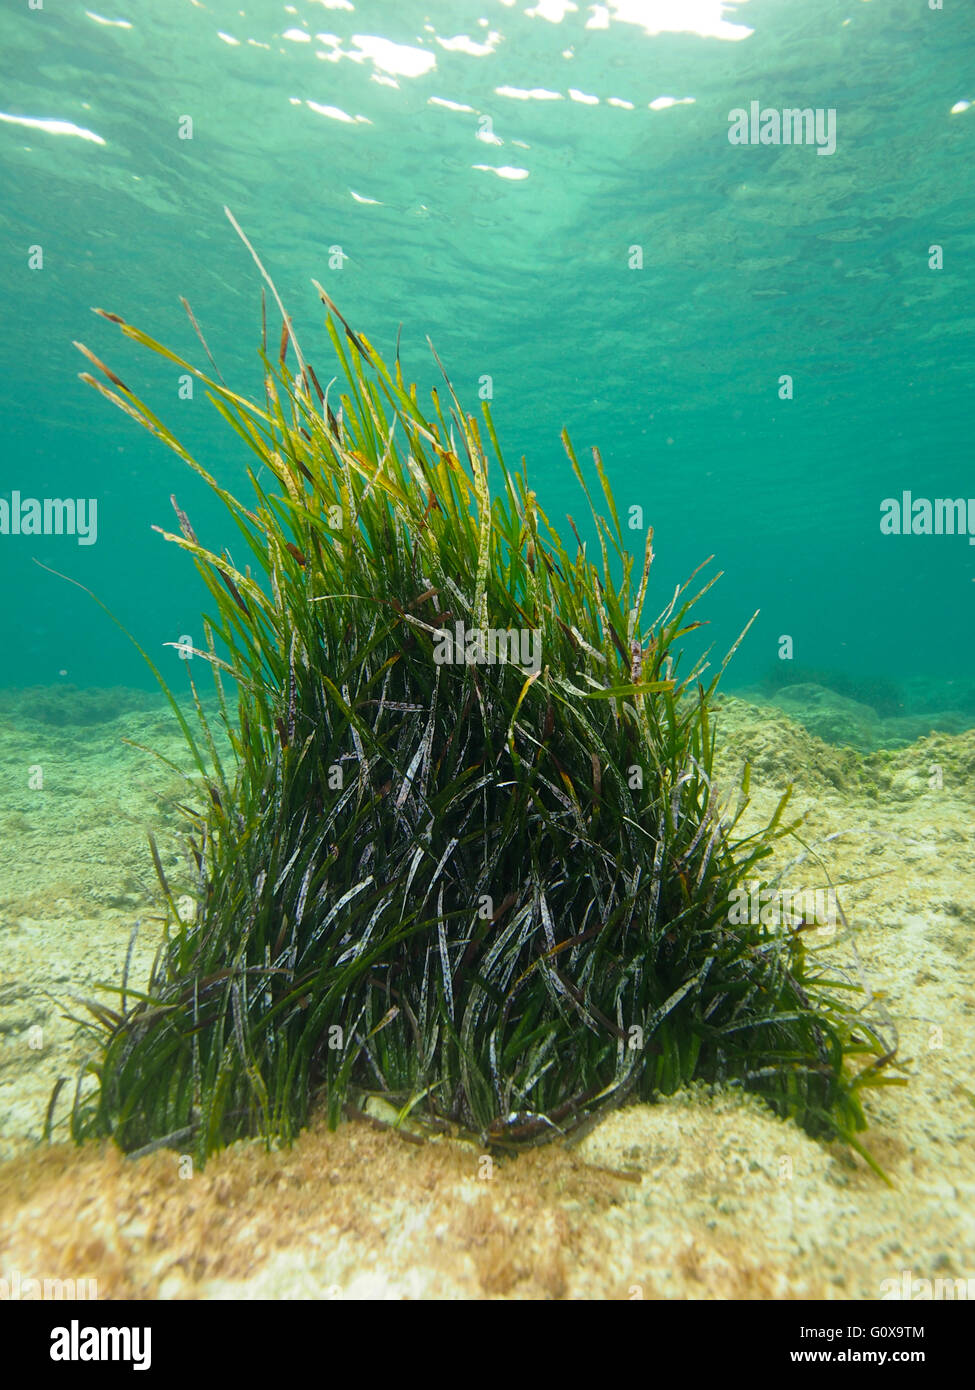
(184, 521)
(353, 337)
(318, 389)
(100, 365)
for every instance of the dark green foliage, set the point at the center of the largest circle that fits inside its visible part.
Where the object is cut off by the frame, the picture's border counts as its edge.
(496, 896)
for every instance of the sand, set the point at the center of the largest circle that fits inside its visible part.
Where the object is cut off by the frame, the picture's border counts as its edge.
(705, 1195)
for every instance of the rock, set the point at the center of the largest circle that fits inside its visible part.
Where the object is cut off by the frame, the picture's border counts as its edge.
(831, 717)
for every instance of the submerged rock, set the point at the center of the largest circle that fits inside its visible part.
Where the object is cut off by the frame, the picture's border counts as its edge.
(832, 717)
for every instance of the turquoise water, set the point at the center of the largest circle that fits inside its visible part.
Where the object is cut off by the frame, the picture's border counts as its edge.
(485, 171)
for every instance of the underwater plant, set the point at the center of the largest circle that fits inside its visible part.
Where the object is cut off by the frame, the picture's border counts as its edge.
(468, 854)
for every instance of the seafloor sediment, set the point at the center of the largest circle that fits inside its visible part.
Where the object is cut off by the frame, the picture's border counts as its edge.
(702, 1196)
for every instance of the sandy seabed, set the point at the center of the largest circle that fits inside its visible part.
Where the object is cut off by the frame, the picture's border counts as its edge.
(705, 1195)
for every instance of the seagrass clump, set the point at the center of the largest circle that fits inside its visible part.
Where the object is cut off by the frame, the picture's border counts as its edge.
(468, 854)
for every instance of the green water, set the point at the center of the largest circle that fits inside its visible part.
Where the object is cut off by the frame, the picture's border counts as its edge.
(365, 127)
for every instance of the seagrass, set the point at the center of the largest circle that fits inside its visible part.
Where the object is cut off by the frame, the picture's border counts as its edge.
(494, 894)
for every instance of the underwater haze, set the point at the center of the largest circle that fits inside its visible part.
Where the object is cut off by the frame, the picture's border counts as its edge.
(767, 340)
